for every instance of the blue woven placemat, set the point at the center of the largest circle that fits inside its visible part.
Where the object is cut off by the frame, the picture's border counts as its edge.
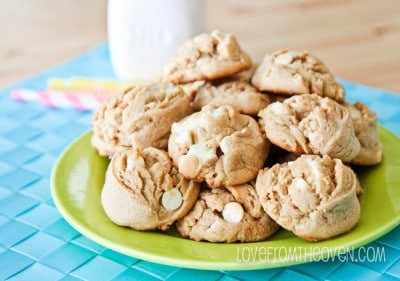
(36, 243)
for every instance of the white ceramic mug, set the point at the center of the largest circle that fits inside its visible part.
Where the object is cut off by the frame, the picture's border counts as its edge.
(143, 35)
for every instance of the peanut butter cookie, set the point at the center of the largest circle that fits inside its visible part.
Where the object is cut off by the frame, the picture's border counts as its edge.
(293, 72)
(207, 56)
(313, 196)
(140, 116)
(310, 124)
(227, 215)
(218, 145)
(240, 95)
(144, 191)
(365, 126)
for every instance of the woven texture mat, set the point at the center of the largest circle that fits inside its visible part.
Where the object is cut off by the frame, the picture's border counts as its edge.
(36, 243)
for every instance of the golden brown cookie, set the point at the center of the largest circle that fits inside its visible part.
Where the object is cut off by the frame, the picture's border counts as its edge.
(243, 76)
(144, 191)
(227, 215)
(191, 88)
(313, 196)
(240, 95)
(293, 72)
(140, 116)
(310, 124)
(218, 145)
(207, 56)
(365, 126)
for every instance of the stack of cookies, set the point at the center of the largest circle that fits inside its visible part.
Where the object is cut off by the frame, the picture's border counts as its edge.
(228, 150)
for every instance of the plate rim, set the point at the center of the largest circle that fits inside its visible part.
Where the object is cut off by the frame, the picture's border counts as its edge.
(201, 264)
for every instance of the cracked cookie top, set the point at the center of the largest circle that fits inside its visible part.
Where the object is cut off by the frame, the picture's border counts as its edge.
(143, 190)
(311, 124)
(313, 196)
(207, 56)
(218, 145)
(293, 72)
(365, 126)
(140, 116)
(227, 215)
(240, 95)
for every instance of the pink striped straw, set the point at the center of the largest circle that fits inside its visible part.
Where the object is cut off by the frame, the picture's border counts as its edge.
(60, 99)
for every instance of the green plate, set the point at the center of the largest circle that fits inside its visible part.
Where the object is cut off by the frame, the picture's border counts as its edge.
(78, 177)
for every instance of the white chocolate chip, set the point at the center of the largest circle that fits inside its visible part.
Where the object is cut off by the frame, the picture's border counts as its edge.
(203, 153)
(187, 125)
(303, 195)
(233, 212)
(132, 163)
(226, 145)
(314, 168)
(185, 138)
(284, 59)
(201, 61)
(217, 113)
(354, 113)
(277, 108)
(171, 199)
(301, 184)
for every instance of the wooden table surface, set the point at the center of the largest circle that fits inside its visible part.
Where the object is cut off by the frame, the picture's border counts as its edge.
(359, 40)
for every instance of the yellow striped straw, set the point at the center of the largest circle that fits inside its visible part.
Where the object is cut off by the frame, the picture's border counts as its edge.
(82, 83)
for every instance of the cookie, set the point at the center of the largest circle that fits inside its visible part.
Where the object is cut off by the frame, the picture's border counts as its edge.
(207, 56)
(227, 215)
(243, 76)
(365, 126)
(144, 191)
(240, 95)
(313, 196)
(192, 88)
(218, 145)
(310, 124)
(139, 116)
(293, 72)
